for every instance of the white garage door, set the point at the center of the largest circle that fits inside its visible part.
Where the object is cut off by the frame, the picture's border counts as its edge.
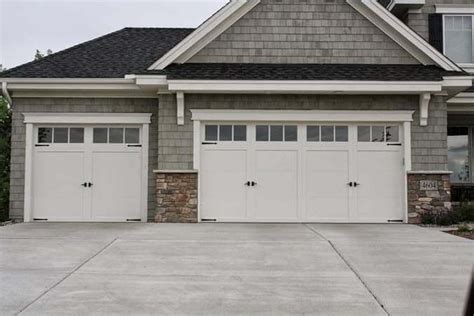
(87, 173)
(302, 172)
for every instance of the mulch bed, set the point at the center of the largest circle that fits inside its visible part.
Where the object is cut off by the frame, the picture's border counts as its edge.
(467, 235)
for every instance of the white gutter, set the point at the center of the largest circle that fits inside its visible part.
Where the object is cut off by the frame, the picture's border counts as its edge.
(6, 94)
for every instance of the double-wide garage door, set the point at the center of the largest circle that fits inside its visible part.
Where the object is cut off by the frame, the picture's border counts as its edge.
(87, 173)
(302, 173)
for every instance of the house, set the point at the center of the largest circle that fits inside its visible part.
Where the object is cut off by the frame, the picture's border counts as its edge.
(270, 111)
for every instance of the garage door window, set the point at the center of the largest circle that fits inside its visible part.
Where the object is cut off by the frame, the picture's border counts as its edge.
(60, 135)
(327, 133)
(277, 133)
(225, 133)
(116, 135)
(378, 134)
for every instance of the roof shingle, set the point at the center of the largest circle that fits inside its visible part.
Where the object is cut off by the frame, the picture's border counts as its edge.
(363, 72)
(114, 55)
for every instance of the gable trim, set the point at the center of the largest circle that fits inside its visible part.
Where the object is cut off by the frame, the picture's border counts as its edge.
(402, 34)
(205, 33)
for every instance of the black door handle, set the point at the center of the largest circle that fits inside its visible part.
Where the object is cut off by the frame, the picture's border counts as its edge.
(84, 184)
(356, 184)
(89, 185)
(254, 183)
(247, 183)
(351, 184)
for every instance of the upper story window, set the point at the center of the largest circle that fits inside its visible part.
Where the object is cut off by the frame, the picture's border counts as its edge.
(458, 38)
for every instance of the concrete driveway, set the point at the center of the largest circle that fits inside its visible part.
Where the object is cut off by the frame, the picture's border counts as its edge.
(232, 269)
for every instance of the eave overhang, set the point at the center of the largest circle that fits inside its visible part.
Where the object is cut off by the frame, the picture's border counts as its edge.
(400, 7)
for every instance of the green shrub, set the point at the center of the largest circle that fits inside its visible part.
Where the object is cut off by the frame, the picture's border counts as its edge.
(459, 214)
(464, 228)
(466, 212)
(5, 135)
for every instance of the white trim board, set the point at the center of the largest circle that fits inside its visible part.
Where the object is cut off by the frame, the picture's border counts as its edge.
(87, 118)
(301, 116)
(206, 33)
(454, 9)
(251, 86)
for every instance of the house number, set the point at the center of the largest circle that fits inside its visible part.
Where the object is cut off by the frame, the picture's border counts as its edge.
(428, 185)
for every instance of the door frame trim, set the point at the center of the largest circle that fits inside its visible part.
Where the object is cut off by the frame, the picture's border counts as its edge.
(199, 116)
(32, 119)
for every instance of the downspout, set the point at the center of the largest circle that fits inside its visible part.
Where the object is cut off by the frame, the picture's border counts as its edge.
(6, 94)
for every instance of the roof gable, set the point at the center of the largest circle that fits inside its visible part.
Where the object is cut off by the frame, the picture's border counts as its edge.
(313, 31)
(394, 42)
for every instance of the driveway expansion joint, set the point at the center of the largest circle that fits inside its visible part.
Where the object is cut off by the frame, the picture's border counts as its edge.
(359, 277)
(67, 276)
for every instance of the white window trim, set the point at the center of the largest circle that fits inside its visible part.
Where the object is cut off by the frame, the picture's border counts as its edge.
(462, 65)
(33, 119)
(450, 9)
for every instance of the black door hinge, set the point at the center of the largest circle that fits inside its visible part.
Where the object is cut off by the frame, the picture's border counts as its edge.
(41, 145)
(208, 220)
(40, 219)
(133, 220)
(395, 220)
(209, 143)
(136, 146)
(396, 144)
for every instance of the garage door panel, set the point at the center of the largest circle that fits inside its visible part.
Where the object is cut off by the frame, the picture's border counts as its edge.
(57, 190)
(224, 194)
(116, 181)
(327, 193)
(379, 196)
(276, 174)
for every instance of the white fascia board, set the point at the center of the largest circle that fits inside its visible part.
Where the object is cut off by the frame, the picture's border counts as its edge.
(206, 33)
(301, 116)
(457, 81)
(74, 86)
(87, 118)
(454, 9)
(348, 87)
(402, 34)
(68, 80)
(463, 98)
(148, 80)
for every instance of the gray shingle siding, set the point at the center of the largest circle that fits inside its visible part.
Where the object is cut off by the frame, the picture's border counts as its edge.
(75, 106)
(429, 144)
(311, 31)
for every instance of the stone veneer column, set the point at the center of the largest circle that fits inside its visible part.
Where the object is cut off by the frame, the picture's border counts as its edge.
(177, 194)
(428, 192)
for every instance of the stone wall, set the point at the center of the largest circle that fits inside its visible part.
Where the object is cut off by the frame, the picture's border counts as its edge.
(75, 105)
(309, 31)
(434, 197)
(177, 194)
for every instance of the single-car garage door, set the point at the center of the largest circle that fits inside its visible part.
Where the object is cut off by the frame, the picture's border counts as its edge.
(288, 172)
(87, 173)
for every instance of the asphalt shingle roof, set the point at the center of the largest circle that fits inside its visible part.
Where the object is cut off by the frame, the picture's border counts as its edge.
(114, 55)
(133, 50)
(366, 72)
